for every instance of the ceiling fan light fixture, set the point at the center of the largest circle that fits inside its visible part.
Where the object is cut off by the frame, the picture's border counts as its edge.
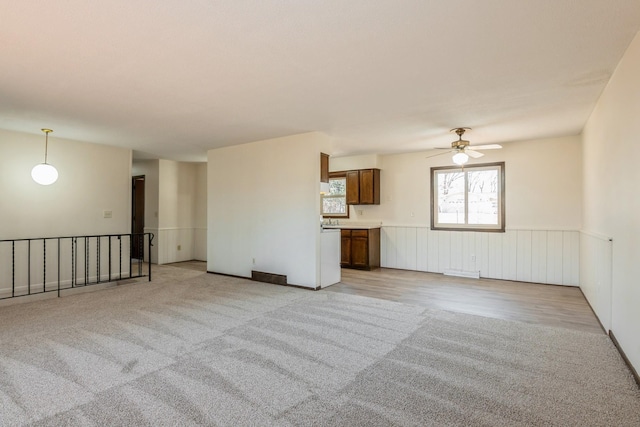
(460, 158)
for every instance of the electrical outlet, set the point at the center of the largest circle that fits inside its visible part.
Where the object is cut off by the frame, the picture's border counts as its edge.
(360, 212)
(253, 260)
(473, 258)
(179, 247)
(107, 214)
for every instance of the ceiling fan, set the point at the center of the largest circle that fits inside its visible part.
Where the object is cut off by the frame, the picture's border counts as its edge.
(463, 150)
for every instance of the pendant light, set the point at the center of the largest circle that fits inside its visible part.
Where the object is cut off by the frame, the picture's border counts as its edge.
(44, 173)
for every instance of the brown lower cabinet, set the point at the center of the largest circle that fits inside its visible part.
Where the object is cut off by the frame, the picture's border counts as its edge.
(360, 248)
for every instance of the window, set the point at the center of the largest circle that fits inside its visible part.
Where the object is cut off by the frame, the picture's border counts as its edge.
(469, 198)
(334, 204)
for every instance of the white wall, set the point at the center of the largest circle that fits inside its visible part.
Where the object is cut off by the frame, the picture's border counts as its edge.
(543, 185)
(263, 206)
(175, 208)
(611, 207)
(365, 161)
(200, 213)
(176, 203)
(92, 179)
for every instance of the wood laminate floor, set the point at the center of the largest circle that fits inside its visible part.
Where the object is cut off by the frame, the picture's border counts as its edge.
(560, 306)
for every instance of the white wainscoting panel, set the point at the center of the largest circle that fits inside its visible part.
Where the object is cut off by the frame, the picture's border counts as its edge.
(539, 256)
(168, 240)
(539, 262)
(155, 243)
(596, 274)
(422, 249)
(200, 244)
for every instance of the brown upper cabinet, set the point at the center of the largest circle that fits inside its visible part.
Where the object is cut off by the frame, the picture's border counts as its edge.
(363, 187)
(324, 167)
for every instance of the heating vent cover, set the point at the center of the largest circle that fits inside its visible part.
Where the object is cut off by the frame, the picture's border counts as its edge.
(261, 276)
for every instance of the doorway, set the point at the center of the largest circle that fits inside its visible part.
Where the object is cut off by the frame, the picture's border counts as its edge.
(137, 217)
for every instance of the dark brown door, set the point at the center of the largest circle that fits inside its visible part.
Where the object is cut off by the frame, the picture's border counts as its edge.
(360, 248)
(353, 188)
(345, 248)
(137, 217)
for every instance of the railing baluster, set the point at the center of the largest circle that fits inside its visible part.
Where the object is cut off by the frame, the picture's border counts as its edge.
(120, 240)
(141, 254)
(73, 262)
(58, 267)
(149, 255)
(29, 267)
(98, 258)
(44, 265)
(13, 268)
(86, 261)
(109, 258)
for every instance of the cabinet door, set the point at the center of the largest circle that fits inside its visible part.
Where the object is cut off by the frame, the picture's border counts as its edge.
(345, 248)
(360, 251)
(324, 167)
(370, 187)
(366, 186)
(353, 188)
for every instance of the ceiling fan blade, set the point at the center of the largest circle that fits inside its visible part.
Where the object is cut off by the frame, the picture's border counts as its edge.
(487, 147)
(472, 153)
(439, 154)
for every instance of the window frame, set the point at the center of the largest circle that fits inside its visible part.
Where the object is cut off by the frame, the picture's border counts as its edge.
(334, 175)
(499, 228)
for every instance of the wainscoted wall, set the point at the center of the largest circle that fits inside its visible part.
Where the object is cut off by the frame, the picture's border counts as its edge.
(596, 253)
(610, 177)
(154, 248)
(175, 209)
(192, 242)
(200, 243)
(540, 256)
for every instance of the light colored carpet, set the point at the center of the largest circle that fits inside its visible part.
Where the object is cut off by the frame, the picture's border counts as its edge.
(200, 349)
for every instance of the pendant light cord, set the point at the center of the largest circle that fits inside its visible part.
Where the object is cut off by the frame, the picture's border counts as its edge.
(46, 143)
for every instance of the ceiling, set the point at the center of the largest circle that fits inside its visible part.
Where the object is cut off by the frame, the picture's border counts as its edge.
(173, 79)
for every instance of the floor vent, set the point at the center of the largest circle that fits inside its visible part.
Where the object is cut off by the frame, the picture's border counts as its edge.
(261, 276)
(462, 273)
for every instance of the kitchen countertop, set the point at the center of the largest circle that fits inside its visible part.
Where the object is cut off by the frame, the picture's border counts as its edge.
(352, 226)
(326, 229)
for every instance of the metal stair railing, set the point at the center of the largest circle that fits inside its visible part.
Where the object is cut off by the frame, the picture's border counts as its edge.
(52, 264)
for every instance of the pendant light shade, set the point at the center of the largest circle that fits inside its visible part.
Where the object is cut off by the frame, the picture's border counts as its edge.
(44, 173)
